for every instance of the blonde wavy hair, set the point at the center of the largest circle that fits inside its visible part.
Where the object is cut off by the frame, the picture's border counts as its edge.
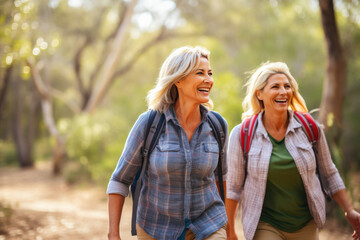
(180, 63)
(252, 105)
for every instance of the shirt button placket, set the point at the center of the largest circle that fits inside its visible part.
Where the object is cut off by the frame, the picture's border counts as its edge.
(187, 197)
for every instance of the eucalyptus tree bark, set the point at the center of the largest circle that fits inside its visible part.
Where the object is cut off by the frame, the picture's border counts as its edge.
(331, 108)
(108, 63)
(111, 62)
(48, 116)
(102, 77)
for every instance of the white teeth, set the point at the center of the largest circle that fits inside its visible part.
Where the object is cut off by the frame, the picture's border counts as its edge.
(203, 89)
(282, 100)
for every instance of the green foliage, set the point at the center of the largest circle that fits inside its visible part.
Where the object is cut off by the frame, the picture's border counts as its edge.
(226, 96)
(94, 145)
(7, 153)
(240, 35)
(351, 126)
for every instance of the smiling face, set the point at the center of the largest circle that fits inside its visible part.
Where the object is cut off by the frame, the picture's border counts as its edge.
(195, 87)
(277, 93)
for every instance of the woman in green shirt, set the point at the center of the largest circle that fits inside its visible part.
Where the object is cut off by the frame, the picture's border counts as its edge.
(280, 191)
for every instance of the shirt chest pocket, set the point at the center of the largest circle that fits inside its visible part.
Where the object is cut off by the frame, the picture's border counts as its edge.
(254, 161)
(206, 164)
(165, 158)
(211, 148)
(307, 155)
(169, 147)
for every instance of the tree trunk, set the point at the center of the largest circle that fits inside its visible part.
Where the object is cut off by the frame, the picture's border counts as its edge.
(23, 142)
(60, 150)
(58, 156)
(333, 92)
(48, 116)
(4, 87)
(110, 64)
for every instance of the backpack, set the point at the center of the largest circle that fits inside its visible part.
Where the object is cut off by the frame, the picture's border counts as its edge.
(155, 123)
(309, 126)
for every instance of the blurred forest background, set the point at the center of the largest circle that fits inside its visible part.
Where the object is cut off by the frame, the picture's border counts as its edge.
(74, 73)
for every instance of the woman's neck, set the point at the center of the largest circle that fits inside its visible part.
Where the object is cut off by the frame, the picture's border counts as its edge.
(187, 113)
(189, 117)
(276, 124)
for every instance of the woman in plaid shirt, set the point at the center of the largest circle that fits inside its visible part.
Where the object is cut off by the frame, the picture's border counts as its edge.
(179, 198)
(281, 196)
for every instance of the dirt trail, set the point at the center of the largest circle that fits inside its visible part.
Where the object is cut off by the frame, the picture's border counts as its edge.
(45, 208)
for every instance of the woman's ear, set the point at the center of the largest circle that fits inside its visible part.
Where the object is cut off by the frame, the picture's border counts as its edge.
(259, 95)
(178, 84)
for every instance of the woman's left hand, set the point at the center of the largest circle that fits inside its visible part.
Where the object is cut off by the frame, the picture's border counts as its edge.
(354, 219)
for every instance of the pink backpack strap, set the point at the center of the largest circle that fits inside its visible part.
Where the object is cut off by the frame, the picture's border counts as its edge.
(309, 125)
(248, 127)
(312, 131)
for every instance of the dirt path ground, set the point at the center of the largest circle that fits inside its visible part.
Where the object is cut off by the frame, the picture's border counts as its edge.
(45, 208)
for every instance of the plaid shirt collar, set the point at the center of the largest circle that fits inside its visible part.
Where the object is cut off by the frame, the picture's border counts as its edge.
(293, 124)
(171, 116)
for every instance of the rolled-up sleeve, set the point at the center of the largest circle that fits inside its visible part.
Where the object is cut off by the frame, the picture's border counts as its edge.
(130, 160)
(235, 176)
(328, 171)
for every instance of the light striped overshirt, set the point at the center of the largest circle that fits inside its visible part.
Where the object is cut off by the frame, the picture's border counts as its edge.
(179, 184)
(252, 195)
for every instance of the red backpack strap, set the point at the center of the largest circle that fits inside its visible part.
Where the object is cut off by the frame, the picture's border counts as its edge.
(312, 131)
(247, 129)
(309, 125)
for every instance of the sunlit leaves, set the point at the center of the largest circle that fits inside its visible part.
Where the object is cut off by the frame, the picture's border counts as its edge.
(20, 35)
(150, 15)
(330, 119)
(25, 73)
(9, 59)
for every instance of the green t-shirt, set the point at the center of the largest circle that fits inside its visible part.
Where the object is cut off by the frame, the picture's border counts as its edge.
(285, 205)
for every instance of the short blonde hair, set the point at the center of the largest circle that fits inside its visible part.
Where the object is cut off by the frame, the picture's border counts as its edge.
(180, 63)
(252, 105)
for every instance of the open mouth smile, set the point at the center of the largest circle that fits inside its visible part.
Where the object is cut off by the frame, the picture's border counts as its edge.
(280, 100)
(205, 90)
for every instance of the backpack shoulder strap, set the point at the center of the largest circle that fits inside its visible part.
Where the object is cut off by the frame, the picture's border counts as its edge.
(248, 128)
(309, 125)
(218, 125)
(311, 130)
(155, 124)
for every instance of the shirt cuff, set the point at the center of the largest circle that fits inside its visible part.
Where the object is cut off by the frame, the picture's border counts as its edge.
(233, 195)
(117, 188)
(336, 184)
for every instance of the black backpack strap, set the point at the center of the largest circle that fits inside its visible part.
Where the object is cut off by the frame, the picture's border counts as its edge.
(218, 125)
(155, 124)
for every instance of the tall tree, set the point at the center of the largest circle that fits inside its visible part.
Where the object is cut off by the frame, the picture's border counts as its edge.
(18, 100)
(109, 66)
(331, 108)
(4, 87)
